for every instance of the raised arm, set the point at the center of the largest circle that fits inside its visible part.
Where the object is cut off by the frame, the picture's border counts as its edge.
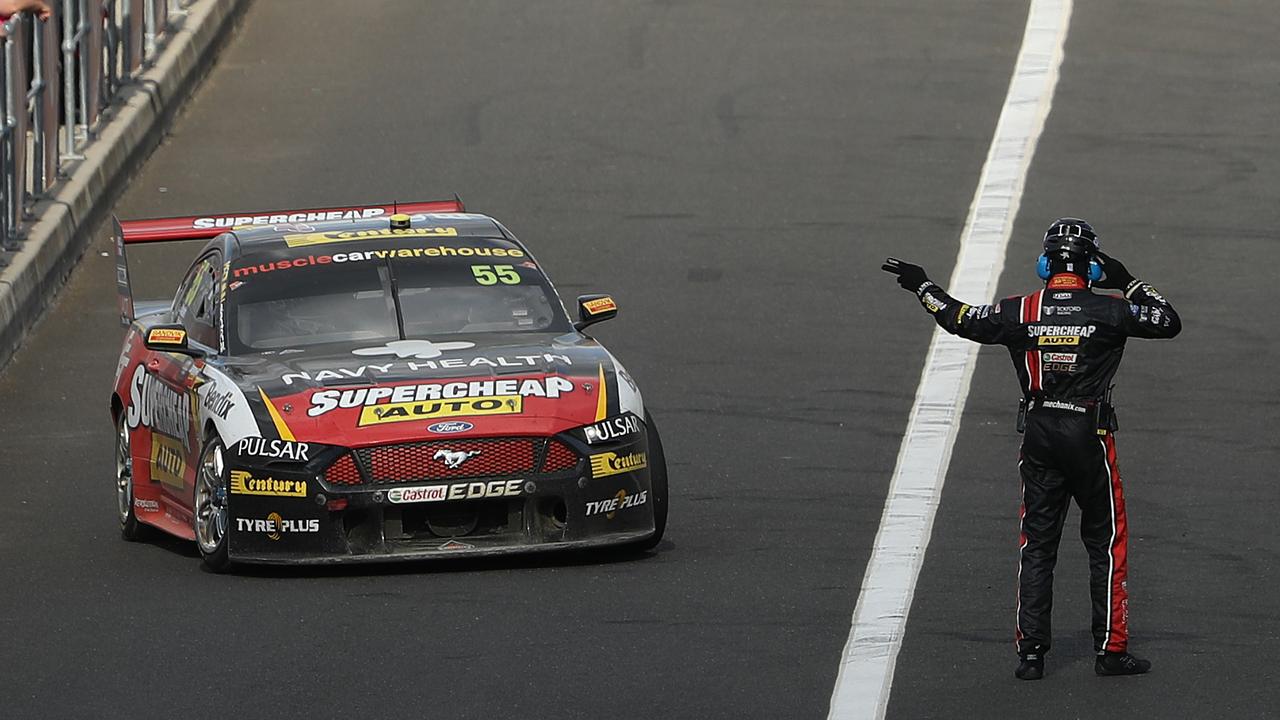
(1150, 315)
(980, 323)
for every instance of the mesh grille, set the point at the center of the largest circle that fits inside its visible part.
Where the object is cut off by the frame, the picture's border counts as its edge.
(343, 472)
(486, 457)
(559, 457)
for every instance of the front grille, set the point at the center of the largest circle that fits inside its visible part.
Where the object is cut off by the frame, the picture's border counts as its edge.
(452, 459)
(559, 457)
(343, 472)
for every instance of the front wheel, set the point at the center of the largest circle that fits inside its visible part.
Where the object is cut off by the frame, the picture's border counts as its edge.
(657, 485)
(210, 514)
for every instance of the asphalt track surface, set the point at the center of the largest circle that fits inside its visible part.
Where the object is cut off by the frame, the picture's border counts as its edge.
(733, 173)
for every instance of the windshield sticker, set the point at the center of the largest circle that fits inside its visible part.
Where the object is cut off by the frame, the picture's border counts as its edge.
(325, 238)
(498, 361)
(382, 254)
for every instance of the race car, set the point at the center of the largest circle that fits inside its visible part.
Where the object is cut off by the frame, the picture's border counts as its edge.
(373, 383)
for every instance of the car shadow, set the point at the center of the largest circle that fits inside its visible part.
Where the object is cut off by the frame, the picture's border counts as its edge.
(433, 566)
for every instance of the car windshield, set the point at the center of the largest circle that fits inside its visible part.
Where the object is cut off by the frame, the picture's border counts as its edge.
(291, 299)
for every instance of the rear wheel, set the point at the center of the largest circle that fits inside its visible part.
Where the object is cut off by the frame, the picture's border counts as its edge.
(657, 485)
(130, 528)
(210, 507)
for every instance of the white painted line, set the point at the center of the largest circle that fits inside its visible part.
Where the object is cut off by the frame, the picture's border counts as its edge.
(880, 619)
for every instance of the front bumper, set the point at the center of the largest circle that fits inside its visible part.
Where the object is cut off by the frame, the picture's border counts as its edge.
(299, 518)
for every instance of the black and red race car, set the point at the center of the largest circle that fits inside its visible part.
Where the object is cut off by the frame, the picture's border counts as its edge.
(374, 383)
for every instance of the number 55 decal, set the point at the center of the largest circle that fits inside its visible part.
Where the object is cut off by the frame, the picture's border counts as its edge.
(493, 274)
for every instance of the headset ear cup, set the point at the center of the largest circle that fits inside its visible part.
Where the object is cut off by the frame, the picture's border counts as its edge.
(1042, 268)
(1095, 271)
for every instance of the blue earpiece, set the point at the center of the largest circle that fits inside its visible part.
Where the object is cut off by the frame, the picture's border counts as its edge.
(1042, 269)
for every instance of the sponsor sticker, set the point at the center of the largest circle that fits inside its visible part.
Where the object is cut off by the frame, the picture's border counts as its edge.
(155, 405)
(1061, 309)
(274, 525)
(218, 403)
(620, 501)
(440, 399)
(608, 463)
(600, 305)
(243, 482)
(502, 361)
(932, 303)
(168, 460)
(1078, 330)
(166, 336)
(282, 218)
(612, 429)
(1058, 340)
(402, 412)
(456, 491)
(274, 449)
(146, 505)
(449, 427)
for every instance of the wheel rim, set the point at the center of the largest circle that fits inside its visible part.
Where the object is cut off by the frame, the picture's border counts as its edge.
(211, 499)
(124, 473)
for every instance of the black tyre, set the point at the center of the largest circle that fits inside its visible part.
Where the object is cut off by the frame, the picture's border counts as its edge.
(130, 528)
(210, 515)
(657, 483)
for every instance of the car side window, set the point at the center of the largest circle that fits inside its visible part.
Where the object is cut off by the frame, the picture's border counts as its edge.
(195, 304)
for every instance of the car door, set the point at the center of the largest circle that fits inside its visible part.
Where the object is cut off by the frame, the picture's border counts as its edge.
(176, 436)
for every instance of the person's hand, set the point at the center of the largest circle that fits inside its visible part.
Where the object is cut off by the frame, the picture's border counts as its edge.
(910, 277)
(40, 8)
(1114, 274)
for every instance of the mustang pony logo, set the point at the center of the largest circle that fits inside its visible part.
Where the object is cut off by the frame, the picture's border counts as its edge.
(420, 349)
(453, 459)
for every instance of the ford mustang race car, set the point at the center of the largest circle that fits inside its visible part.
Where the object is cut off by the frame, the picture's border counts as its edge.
(373, 383)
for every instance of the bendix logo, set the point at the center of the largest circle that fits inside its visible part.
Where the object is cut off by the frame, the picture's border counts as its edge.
(450, 427)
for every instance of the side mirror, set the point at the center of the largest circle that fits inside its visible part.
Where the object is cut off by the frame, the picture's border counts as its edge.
(171, 338)
(594, 308)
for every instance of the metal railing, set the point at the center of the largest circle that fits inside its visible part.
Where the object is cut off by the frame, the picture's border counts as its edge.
(60, 74)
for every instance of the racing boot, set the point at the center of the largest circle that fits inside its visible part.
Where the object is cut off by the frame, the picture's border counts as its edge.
(1030, 667)
(1120, 663)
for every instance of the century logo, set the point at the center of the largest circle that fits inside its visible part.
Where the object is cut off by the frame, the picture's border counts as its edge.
(606, 464)
(244, 483)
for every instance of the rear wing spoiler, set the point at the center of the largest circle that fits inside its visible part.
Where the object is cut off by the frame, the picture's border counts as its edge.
(173, 229)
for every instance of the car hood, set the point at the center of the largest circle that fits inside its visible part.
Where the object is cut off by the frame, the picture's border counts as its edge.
(375, 393)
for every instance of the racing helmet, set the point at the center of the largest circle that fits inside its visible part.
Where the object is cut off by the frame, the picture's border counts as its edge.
(1073, 240)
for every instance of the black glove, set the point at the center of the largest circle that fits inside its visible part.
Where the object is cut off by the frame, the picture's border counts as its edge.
(910, 277)
(1114, 274)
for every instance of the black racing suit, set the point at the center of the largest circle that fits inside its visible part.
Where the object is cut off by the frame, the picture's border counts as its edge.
(1066, 343)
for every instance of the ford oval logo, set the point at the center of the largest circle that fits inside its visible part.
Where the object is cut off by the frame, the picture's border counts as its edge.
(447, 428)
